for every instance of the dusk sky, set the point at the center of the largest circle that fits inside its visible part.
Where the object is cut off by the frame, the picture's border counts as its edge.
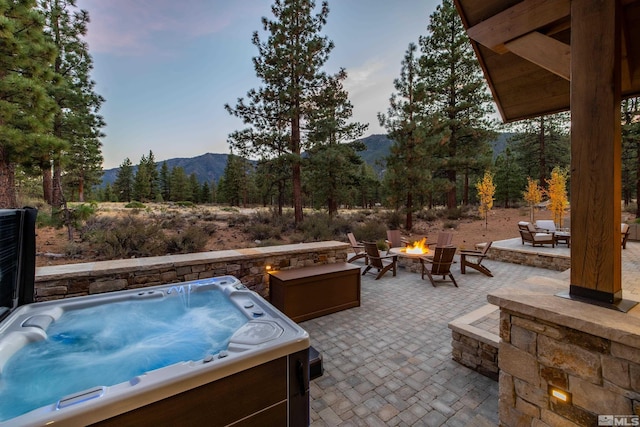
(166, 68)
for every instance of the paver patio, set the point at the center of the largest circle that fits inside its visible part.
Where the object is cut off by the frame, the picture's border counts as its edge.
(388, 362)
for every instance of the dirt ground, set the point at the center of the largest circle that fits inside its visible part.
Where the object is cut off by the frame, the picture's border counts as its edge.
(51, 243)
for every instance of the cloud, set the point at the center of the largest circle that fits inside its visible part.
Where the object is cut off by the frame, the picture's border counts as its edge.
(138, 27)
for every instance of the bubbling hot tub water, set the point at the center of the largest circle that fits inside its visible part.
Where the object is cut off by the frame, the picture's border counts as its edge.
(109, 344)
(97, 358)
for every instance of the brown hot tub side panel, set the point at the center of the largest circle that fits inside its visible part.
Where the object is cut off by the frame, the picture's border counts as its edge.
(310, 292)
(259, 396)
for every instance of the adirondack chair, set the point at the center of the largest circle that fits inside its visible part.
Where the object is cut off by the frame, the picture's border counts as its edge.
(624, 229)
(358, 249)
(444, 239)
(380, 263)
(439, 264)
(395, 240)
(473, 259)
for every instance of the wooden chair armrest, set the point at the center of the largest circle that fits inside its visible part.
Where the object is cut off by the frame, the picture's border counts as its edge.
(470, 252)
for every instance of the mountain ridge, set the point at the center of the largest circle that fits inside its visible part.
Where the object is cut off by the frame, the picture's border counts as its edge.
(209, 167)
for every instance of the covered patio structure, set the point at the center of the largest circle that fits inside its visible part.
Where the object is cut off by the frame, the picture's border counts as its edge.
(541, 57)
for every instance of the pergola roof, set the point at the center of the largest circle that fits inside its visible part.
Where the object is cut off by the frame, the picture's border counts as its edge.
(524, 48)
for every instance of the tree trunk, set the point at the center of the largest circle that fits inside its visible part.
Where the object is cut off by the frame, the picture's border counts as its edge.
(296, 172)
(452, 200)
(409, 220)
(7, 182)
(80, 190)
(47, 185)
(465, 191)
(56, 199)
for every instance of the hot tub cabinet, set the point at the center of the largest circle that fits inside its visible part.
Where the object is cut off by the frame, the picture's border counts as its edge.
(260, 378)
(309, 292)
(259, 396)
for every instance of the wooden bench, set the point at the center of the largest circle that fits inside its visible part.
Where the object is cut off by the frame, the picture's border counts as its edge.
(310, 292)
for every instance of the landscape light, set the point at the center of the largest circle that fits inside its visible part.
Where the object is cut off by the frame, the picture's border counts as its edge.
(561, 395)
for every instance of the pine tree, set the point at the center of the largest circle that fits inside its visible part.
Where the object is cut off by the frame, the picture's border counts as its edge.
(333, 162)
(123, 185)
(179, 185)
(407, 166)
(26, 109)
(509, 178)
(76, 123)
(145, 185)
(459, 100)
(165, 182)
(541, 144)
(289, 65)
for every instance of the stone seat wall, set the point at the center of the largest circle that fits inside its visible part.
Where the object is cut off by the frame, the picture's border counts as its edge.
(248, 265)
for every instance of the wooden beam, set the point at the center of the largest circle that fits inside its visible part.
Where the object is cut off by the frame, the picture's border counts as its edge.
(544, 51)
(596, 260)
(518, 20)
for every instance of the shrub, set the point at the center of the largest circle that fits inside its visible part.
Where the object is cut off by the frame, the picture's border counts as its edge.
(317, 226)
(237, 220)
(135, 205)
(450, 224)
(370, 231)
(393, 219)
(426, 215)
(190, 240)
(185, 204)
(126, 237)
(262, 231)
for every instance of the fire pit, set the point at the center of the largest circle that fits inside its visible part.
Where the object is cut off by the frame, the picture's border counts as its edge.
(409, 256)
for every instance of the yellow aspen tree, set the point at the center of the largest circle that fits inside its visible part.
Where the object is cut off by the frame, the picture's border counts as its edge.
(557, 193)
(486, 191)
(532, 195)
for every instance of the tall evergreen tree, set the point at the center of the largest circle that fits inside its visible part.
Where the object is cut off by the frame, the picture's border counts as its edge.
(510, 180)
(123, 185)
(333, 162)
(542, 144)
(146, 179)
(289, 65)
(180, 190)
(460, 101)
(407, 166)
(76, 122)
(26, 109)
(165, 182)
(232, 183)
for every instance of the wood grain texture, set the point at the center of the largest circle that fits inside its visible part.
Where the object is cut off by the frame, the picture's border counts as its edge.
(595, 146)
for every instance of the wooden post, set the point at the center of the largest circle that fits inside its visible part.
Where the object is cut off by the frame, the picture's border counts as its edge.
(595, 151)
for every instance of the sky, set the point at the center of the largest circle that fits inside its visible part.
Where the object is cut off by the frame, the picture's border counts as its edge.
(166, 68)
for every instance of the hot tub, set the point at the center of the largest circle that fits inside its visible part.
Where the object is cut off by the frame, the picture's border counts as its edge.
(136, 358)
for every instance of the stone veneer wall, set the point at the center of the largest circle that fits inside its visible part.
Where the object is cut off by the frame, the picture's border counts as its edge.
(534, 259)
(473, 346)
(589, 351)
(248, 265)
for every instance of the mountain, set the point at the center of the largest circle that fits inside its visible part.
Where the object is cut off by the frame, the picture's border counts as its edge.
(210, 166)
(207, 167)
(377, 149)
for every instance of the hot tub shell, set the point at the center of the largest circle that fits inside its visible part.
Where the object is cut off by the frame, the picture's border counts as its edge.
(262, 378)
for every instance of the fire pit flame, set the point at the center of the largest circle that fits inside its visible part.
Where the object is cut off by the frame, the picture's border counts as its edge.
(418, 248)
